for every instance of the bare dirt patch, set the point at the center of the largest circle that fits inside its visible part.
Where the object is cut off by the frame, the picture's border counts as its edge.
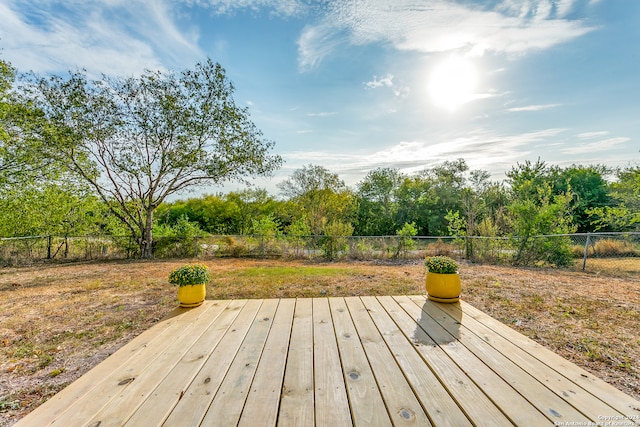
(58, 321)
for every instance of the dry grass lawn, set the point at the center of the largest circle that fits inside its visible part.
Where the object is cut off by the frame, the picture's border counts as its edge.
(57, 321)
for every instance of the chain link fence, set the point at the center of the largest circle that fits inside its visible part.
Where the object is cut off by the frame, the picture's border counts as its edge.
(614, 253)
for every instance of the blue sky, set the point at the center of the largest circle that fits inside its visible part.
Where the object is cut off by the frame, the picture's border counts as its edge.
(353, 85)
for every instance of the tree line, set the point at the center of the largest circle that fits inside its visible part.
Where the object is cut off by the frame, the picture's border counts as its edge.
(81, 156)
(535, 198)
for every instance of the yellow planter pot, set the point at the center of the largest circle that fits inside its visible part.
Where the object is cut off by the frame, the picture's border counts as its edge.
(191, 295)
(443, 287)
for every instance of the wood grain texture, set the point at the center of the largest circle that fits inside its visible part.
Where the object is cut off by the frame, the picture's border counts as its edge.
(380, 361)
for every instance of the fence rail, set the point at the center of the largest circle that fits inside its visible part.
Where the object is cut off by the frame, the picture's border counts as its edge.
(595, 252)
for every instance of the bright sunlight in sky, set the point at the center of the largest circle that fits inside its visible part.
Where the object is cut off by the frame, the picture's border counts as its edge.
(354, 85)
(452, 82)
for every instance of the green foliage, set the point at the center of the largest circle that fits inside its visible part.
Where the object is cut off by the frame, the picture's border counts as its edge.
(441, 264)
(22, 158)
(177, 240)
(267, 229)
(150, 136)
(334, 241)
(456, 226)
(319, 196)
(267, 226)
(50, 209)
(376, 199)
(540, 214)
(405, 241)
(191, 274)
(588, 188)
(624, 215)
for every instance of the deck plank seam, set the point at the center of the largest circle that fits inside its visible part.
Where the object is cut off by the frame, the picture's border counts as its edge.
(359, 327)
(140, 371)
(253, 312)
(258, 369)
(426, 363)
(519, 361)
(517, 370)
(254, 328)
(585, 374)
(186, 351)
(478, 385)
(70, 392)
(375, 379)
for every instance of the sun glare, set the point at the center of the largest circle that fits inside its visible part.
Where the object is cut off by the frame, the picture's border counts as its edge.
(453, 83)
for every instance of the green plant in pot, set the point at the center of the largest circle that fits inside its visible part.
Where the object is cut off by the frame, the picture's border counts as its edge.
(191, 280)
(443, 280)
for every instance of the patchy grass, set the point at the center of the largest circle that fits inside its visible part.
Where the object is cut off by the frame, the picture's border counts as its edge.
(58, 321)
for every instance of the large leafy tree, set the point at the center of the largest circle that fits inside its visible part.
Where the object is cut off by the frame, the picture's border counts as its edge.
(415, 199)
(320, 197)
(140, 139)
(426, 198)
(536, 211)
(624, 214)
(20, 155)
(588, 188)
(377, 206)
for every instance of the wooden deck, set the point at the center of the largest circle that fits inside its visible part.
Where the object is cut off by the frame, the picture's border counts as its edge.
(367, 361)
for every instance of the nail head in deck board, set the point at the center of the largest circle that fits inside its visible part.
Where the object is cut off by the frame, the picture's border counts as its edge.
(261, 407)
(525, 382)
(442, 349)
(396, 391)
(367, 406)
(440, 406)
(296, 405)
(331, 403)
(481, 393)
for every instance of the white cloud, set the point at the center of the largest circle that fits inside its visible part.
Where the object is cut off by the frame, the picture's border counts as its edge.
(597, 146)
(279, 7)
(514, 26)
(596, 134)
(537, 107)
(387, 81)
(380, 82)
(322, 114)
(315, 43)
(115, 37)
(482, 149)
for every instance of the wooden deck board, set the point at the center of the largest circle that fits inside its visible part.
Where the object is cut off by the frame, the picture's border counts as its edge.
(331, 403)
(331, 362)
(562, 387)
(525, 383)
(297, 399)
(402, 404)
(479, 391)
(367, 407)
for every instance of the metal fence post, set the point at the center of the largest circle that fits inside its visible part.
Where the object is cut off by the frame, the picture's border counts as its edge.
(586, 252)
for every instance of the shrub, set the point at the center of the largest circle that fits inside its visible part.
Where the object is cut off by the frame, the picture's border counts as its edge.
(441, 265)
(611, 247)
(440, 248)
(191, 274)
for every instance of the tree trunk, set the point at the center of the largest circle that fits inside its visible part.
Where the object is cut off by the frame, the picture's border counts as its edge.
(146, 247)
